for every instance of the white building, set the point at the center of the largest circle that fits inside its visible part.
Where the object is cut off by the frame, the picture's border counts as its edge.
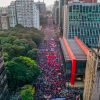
(24, 12)
(36, 18)
(12, 14)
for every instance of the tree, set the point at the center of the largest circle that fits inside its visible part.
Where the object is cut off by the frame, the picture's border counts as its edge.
(32, 54)
(6, 56)
(20, 71)
(27, 92)
(14, 50)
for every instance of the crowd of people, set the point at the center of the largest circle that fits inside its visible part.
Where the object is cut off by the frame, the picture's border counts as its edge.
(51, 84)
(50, 62)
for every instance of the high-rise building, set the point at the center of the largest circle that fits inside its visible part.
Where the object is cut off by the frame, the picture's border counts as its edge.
(25, 13)
(12, 14)
(4, 18)
(3, 79)
(92, 76)
(61, 12)
(55, 11)
(42, 12)
(42, 8)
(82, 20)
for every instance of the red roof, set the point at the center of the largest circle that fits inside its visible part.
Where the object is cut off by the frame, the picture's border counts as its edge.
(82, 45)
(73, 58)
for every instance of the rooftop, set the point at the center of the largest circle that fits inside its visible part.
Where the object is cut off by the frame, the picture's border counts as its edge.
(75, 49)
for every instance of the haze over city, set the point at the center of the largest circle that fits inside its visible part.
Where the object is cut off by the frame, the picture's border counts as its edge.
(4, 3)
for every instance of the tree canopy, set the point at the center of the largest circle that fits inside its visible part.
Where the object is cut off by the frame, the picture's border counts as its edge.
(27, 92)
(20, 47)
(21, 70)
(19, 41)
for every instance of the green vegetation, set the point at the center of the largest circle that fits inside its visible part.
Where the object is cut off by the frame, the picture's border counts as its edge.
(20, 47)
(27, 92)
(19, 41)
(20, 71)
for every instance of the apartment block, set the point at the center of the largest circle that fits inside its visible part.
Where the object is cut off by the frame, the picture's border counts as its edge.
(56, 12)
(61, 13)
(82, 20)
(24, 12)
(12, 14)
(42, 8)
(4, 18)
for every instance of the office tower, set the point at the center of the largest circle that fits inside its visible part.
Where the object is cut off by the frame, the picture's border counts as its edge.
(3, 79)
(82, 20)
(24, 12)
(12, 14)
(61, 12)
(4, 18)
(56, 12)
(42, 12)
(42, 8)
(92, 76)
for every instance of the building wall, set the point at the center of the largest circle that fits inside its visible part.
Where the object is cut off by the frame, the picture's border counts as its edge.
(4, 18)
(90, 75)
(96, 87)
(3, 80)
(24, 13)
(84, 20)
(56, 12)
(61, 4)
(12, 15)
(42, 8)
(4, 22)
(36, 17)
(66, 21)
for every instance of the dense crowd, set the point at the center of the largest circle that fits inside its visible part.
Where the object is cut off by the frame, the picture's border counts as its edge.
(51, 83)
(52, 80)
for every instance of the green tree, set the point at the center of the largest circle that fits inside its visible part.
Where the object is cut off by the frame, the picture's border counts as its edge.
(20, 71)
(6, 56)
(14, 50)
(27, 92)
(33, 54)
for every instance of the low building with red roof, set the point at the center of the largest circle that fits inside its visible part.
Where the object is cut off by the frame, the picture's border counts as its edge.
(75, 57)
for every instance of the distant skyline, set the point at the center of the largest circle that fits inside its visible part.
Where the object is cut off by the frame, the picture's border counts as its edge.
(4, 3)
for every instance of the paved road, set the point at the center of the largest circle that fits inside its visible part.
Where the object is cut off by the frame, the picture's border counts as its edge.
(52, 81)
(51, 84)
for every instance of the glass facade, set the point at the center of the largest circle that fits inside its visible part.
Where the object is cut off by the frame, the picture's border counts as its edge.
(80, 70)
(84, 22)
